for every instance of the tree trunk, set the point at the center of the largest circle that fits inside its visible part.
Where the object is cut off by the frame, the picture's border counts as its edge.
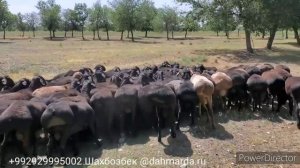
(218, 33)
(53, 34)
(72, 33)
(107, 35)
(296, 34)
(167, 34)
(33, 31)
(272, 36)
(23, 33)
(65, 33)
(146, 33)
(98, 33)
(94, 34)
(227, 34)
(82, 33)
(286, 33)
(132, 38)
(248, 41)
(172, 34)
(263, 34)
(127, 33)
(4, 34)
(122, 35)
(50, 34)
(186, 31)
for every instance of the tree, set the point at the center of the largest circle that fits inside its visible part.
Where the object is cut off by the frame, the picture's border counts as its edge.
(82, 14)
(146, 13)
(32, 20)
(158, 22)
(7, 19)
(95, 18)
(126, 15)
(170, 19)
(220, 17)
(106, 21)
(276, 12)
(189, 24)
(50, 15)
(245, 11)
(21, 24)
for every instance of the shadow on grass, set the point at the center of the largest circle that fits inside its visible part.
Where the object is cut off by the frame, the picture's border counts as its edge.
(6, 42)
(205, 131)
(179, 146)
(294, 44)
(55, 38)
(275, 55)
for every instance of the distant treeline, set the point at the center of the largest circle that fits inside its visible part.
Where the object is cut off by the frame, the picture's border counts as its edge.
(261, 17)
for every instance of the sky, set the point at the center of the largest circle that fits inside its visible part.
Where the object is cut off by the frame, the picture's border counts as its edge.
(25, 6)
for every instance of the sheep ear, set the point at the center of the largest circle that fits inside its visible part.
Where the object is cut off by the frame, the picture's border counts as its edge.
(24, 83)
(4, 81)
(42, 81)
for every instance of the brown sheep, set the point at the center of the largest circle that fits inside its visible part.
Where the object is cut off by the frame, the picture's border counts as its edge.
(205, 89)
(280, 66)
(48, 90)
(222, 83)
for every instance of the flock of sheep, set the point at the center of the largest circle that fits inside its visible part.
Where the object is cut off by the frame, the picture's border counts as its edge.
(127, 101)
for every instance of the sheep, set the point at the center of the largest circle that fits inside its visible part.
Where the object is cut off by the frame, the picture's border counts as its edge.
(204, 89)
(187, 99)
(280, 66)
(104, 104)
(157, 103)
(258, 89)
(21, 84)
(292, 88)
(25, 94)
(48, 90)
(276, 85)
(222, 84)
(126, 98)
(7, 83)
(22, 118)
(66, 118)
(238, 91)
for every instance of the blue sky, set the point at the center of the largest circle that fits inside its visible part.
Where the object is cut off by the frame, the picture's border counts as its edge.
(25, 6)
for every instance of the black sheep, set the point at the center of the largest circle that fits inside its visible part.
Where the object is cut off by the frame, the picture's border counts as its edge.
(157, 103)
(258, 89)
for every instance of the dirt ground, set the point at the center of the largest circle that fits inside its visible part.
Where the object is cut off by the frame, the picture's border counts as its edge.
(236, 131)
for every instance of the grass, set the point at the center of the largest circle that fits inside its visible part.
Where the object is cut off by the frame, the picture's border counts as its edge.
(23, 57)
(236, 131)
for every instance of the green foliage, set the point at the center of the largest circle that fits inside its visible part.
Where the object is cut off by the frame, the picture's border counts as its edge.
(50, 14)
(21, 24)
(146, 13)
(81, 13)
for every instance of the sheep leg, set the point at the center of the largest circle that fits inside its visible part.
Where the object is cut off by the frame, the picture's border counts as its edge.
(298, 114)
(290, 105)
(133, 128)
(63, 141)
(171, 122)
(74, 147)
(193, 114)
(158, 124)
(50, 144)
(179, 115)
(210, 112)
(93, 129)
(122, 118)
(3, 150)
